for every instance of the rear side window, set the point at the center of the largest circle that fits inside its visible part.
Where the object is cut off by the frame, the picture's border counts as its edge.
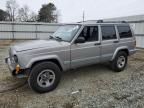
(124, 31)
(108, 32)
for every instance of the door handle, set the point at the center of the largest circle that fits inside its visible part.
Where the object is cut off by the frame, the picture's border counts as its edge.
(97, 44)
(115, 41)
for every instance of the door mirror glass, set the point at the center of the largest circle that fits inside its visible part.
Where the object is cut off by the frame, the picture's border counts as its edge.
(80, 40)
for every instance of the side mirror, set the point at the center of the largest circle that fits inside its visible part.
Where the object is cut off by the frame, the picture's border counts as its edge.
(80, 40)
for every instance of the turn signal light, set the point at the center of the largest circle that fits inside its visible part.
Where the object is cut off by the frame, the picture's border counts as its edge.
(17, 68)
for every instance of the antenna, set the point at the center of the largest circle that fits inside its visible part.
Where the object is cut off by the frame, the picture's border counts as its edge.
(83, 16)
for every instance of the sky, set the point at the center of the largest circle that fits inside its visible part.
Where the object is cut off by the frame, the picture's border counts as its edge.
(72, 10)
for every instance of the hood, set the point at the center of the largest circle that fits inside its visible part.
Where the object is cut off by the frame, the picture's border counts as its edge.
(37, 44)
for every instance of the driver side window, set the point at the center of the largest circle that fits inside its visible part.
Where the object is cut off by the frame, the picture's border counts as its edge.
(90, 33)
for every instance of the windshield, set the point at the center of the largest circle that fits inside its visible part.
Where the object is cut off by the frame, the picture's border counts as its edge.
(66, 32)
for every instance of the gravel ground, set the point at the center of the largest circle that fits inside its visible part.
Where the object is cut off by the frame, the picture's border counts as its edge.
(94, 86)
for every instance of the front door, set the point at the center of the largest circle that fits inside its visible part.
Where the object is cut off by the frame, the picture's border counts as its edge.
(88, 52)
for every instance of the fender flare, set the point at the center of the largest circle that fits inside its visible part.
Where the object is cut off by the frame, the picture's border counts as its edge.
(48, 57)
(117, 50)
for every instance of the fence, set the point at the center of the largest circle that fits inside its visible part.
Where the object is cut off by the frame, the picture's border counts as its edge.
(13, 30)
(9, 30)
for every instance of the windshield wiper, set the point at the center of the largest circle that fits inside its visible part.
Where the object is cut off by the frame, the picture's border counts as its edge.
(59, 38)
(56, 38)
(51, 37)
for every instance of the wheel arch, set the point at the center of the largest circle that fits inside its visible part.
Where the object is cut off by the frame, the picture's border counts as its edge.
(53, 59)
(48, 60)
(125, 49)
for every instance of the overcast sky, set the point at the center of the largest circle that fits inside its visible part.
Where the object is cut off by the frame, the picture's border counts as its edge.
(72, 10)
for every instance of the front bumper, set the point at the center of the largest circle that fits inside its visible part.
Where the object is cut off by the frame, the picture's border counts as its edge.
(12, 67)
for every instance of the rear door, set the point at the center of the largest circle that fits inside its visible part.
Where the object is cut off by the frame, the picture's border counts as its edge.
(109, 42)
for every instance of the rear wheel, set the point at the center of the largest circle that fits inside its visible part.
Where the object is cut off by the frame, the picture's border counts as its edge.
(120, 61)
(44, 77)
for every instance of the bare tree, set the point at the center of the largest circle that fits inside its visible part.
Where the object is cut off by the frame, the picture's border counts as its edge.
(56, 15)
(12, 7)
(26, 15)
(23, 14)
(33, 17)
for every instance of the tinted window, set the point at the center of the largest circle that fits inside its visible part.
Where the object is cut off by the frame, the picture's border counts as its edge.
(90, 33)
(108, 32)
(124, 31)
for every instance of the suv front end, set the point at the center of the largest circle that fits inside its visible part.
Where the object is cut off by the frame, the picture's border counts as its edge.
(13, 64)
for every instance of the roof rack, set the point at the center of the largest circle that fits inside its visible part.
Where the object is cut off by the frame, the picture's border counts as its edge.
(101, 21)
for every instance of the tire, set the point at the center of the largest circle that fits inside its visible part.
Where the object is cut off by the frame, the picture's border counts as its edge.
(44, 77)
(118, 66)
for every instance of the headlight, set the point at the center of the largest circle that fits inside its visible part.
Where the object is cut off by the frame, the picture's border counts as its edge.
(10, 55)
(13, 56)
(15, 59)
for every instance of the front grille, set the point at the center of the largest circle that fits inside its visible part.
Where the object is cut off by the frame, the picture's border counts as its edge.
(11, 56)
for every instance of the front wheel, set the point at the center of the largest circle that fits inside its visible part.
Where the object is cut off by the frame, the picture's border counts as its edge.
(44, 77)
(120, 61)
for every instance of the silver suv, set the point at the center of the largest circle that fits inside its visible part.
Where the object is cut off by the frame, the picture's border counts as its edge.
(70, 47)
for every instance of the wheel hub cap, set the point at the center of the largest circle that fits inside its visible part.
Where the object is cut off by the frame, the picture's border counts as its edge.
(46, 78)
(121, 62)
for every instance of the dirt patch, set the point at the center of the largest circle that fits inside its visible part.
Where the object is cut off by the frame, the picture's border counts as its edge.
(5, 42)
(94, 86)
(10, 85)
